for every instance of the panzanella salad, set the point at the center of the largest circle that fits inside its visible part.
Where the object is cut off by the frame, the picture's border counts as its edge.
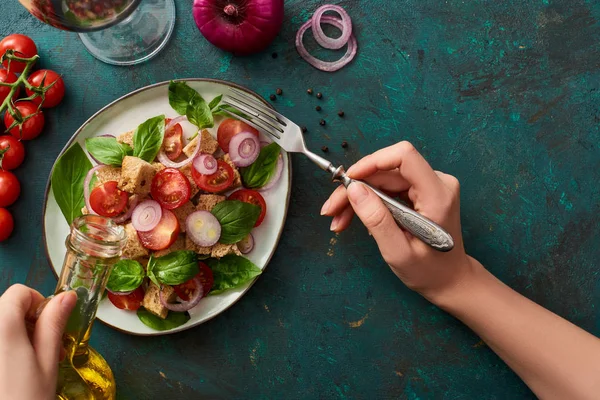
(188, 205)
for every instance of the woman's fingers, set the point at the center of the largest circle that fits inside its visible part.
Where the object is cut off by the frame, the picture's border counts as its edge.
(16, 304)
(342, 221)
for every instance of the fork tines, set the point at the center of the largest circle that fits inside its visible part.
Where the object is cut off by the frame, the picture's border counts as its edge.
(255, 113)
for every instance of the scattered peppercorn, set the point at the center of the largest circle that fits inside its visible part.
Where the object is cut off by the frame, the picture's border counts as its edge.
(325, 149)
(341, 113)
(322, 122)
(309, 91)
(274, 55)
(279, 91)
(304, 129)
(344, 144)
(319, 95)
(273, 97)
(318, 108)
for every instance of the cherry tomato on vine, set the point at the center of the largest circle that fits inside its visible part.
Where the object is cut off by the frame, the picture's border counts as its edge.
(32, 127)
(10, 188)
(55, 94)
(23, 46)
(7, 77)
(12, 153)
(7, 224)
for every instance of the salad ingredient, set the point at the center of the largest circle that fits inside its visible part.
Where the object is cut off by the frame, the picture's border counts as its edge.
(146, 216)
(319, 95)
(344, 144)
(68, 179)
(205, 164)
(215, 102)
(185, 305)
(309, 91)
(172, 321)
(180, 96)
(10, 188)
(171, 188)
(205, 277)
(131, 301)
(203, 228)
(199, 114)
(163, 235)
(126, 276)
(246, 245)
(106, 150)
(325, 149)
(86, 187)
(108, 200)
(320, 64)
(7, 224)
(324, 40)
(12, 153)
(241, 27)
(279, 92)
(164, 157)
(276, 176)
(231, 272)
(251, 197)
(23, 46)
(7, 77)
(173, 269)
(236, 218)
(133, 202)
(341, 113)
(148, 138)
(217, 182)
(32, 127)
(273, 97)
(318, 108)
(244, 149)
(322, 122)
(173, 141)
(263, 169)
(53, 84)
(231, 127)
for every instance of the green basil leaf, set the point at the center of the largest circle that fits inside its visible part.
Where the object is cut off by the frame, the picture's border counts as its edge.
(221, 111)
(199, 114)
(107, 150)
(173, 269)
(126, 275)
(67, 181)
(180, 95)
(261, 171)
(148, 138)
(173, 320)
(231, 272)
(215, 102)
(236, 218)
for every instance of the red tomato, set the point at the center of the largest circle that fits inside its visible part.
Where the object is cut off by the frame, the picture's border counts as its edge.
(185, 290)
(10, 188)
(171, 188)
(24, 47)
(108, 200)
(216, 182)
(55, 94)
(32, 127)
(7, 77)
(7, 224)
(14, 156)
(229, 128)
(130, 302)
(173, 142)
(164, 235)
(252, 197)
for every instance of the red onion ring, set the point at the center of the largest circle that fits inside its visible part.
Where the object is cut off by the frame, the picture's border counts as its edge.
(133, 202)
(206, 164)
(86, 188)
(275, 178)
(244, 149)
(324, 40)
(120, 293)
(195, 298)
(146, 216)
(320, 64)
(162, 157)
(247, 244)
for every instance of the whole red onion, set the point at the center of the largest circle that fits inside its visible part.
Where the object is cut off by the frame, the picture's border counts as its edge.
(241, 27)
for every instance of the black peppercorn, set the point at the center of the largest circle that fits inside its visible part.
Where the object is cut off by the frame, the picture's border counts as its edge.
(279, 91)
(344, 144)
(322, 122)
(318, 108)
(273, 97)
(274, 55)
(325, 149)
(304, 129)
(319, 95)
(341, 113)
(309, 91)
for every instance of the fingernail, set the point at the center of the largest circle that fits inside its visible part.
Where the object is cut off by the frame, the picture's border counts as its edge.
(325, 207)
(334, 223)
(349, 172)
(68, 300)
(357, 192)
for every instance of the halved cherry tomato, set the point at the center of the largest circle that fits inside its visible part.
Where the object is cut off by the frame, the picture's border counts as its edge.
(55, 94)
(12, 152)
(7, 77)
(252, 197)
(173, 141)
(216, 182)
(10, 188)
(108, 200)
(7, 224)
(229, 128)
(171, 188)
(130, 302)
(32, 127)
(185, 290)
(164, 235)
(23, 46)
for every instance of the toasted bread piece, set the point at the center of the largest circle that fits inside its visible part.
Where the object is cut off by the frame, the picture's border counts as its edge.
(182, 213)
(220, 250)
(187, 171)
(136, 176)
(126, 138)
(237, 179)
(133, 248)
(190, 245)
(206, 202)
(178, 245)
(209, 144)
(152, 301)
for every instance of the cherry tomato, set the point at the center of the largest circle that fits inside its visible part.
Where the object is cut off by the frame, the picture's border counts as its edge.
(24, 47)
(164, 235)
(10, 188)
(108, 200)
(185, 290)
(14, 156)
(7, 224)
(229, 128)
(55, 94)
(7, 77)
(130, 302)
(171, 188)
(216, 182)
(252, 197)
(32, 127)
(173, 142)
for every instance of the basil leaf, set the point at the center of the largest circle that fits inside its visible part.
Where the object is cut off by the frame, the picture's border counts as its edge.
(199, 114)
(148, 138)
(67, 181)
(215, 102)
(173, 320)
(107, 150)
(261, 171)
(236, 218)
(126, 275)
(173, 269)
(231, 272)
(180, 95)
(221, 111)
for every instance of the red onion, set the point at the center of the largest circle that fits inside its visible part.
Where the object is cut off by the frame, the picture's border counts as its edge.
(241, 27)
(146, 216)
(247, 244)
(119, 293)
(203, 228)
(195, 298)
(244, 149)
(276, 176)
(133, 202)
(162, 157)
(205, 164)
(175, 121)
(86, 188)
(324, 40)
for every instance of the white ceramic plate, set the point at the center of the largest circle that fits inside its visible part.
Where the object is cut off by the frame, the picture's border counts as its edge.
(126, 114)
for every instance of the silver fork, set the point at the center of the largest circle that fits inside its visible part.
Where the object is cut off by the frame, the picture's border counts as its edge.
(289, 136)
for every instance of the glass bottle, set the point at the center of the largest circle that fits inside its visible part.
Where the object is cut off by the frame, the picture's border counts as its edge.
(93, 247)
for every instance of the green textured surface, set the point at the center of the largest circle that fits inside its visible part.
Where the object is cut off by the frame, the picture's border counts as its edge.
(504, 95)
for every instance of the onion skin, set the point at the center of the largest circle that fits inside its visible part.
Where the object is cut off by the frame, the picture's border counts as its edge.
(241, 27)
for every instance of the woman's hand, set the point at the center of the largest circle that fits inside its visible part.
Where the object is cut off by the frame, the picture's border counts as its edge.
(400, 170)
(29, 365)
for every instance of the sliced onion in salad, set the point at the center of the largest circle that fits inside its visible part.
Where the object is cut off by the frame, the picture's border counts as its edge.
(276, 176)
(133, 202)
(205, 164)
(195, 298)
(246, 244)
(120, 293)
(203, 228)
(146, 216)
(162, 156)
(86, 188)
(324, 40)
(244, 149)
